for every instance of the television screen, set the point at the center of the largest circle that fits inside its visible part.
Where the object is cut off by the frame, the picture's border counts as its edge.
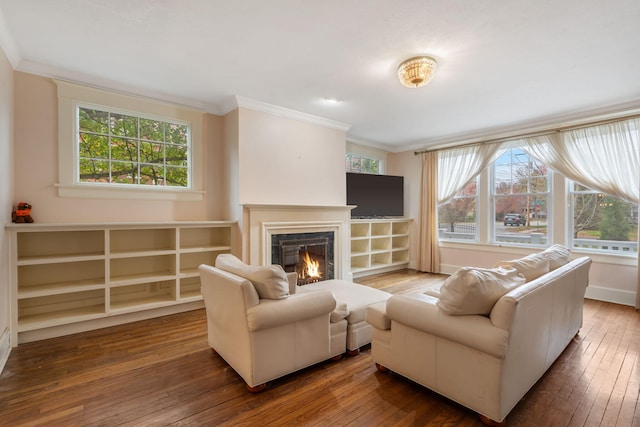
(375, 195)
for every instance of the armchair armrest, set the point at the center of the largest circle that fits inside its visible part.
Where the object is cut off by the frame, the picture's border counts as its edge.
(273, 313)
(420, 312)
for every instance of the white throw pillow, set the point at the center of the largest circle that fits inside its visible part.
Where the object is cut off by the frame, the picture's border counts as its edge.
(270, 281)
(473, 290)
(557, 255)
(531, 266)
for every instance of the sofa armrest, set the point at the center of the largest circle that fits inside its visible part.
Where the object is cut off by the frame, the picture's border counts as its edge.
(420, 312)
(376, 316)
(273, 313)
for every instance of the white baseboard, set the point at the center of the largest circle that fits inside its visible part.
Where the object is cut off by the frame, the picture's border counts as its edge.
(611, 295)
(5, 348)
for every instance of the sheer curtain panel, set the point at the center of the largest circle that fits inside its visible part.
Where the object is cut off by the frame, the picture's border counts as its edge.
(444, 173)
(603, 157)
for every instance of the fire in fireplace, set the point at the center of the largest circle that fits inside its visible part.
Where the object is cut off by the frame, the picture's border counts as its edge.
(310, 255)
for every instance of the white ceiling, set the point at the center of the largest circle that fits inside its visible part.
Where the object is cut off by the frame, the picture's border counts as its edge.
(504, 64)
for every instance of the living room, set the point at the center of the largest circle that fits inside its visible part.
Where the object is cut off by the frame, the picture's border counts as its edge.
(251, 154)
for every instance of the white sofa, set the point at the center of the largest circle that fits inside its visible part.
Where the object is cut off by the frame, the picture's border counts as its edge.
(260, 329)
(486, 362)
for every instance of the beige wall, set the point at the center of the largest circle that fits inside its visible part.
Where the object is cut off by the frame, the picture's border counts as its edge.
(6, 196)
(36, 171)
(611, 278)
(286, 161)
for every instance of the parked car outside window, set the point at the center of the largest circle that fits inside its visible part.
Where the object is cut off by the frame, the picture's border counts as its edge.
(514, 219)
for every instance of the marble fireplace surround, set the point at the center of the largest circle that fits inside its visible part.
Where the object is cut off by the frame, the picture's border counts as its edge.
(261, 222)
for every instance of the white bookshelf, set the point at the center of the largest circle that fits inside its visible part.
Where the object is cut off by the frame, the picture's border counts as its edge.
(379, 245)
(67, 278)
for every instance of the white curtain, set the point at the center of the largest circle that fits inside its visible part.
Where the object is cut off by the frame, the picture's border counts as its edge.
(603, 157)
(458, 166)
(444, 173)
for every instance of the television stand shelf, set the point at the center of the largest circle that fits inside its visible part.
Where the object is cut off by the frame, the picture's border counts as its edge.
(69, 278)
(379, 245)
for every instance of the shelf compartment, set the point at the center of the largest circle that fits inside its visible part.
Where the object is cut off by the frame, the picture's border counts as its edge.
(400, 242)
(142, 240)
(359, 229)
(380, 244)
(359, 246)
(400, 228)
(360, 262)
(135, 297)
(53, 310)
(189, 262)
(380, 229)
(400, 256)
(42, 245)
(142, 269)
(190, 288)
(380, 259)
(205, 237)
(50, 279)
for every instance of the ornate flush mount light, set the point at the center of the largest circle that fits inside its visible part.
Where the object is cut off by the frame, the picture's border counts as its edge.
(417, 71)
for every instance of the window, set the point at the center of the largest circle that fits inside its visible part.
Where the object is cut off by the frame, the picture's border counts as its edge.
(600, 222)
(360, 164)
(116, 148)
(521, 199)
(457, 219)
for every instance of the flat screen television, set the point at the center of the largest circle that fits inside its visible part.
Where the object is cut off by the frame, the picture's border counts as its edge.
(375, 195)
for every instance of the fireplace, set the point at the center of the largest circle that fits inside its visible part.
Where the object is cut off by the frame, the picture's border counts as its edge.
(310, 255)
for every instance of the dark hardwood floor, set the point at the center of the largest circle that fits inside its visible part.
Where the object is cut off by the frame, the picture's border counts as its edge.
(161, 372)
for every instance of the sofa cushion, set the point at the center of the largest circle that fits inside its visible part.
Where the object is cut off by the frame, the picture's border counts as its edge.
(472, 290)
(557, 255)
(531, 267)
(270, 281)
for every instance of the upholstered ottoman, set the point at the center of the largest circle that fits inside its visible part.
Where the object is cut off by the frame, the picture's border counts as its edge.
(357, 298)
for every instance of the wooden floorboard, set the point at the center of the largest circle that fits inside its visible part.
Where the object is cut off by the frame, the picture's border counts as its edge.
(161, 372)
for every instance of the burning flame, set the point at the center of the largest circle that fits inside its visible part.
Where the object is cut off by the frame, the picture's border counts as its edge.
(311, 267)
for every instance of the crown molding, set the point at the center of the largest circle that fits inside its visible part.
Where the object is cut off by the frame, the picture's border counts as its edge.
(252, 104)
(546, 124)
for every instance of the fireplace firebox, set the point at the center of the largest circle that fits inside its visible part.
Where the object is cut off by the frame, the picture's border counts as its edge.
(310, 255)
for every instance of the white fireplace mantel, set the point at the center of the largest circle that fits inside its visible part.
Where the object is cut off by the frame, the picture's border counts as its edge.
(261, 222)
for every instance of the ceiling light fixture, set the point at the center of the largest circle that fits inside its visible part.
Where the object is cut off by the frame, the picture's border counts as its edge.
(417, 71)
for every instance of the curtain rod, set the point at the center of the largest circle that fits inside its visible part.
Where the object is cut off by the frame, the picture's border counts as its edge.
(532, 134)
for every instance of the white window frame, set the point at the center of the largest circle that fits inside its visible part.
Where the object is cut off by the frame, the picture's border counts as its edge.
(443, 234)
(570, 228)
(368, 157)
(71, 96)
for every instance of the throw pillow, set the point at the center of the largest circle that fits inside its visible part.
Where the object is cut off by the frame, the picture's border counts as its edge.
(557, 255)
(472, 290)
(270, 281)
(531, 266)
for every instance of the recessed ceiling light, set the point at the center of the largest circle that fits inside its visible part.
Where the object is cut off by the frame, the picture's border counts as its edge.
(331, 101)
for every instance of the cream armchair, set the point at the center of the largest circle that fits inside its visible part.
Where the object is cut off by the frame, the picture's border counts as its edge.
(266, 338)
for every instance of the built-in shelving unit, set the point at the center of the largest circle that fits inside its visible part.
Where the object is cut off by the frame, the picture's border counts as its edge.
(64, 275)
(379, 245)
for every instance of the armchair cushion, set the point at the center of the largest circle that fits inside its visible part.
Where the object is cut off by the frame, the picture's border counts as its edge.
(472, 290)
(270, 281)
